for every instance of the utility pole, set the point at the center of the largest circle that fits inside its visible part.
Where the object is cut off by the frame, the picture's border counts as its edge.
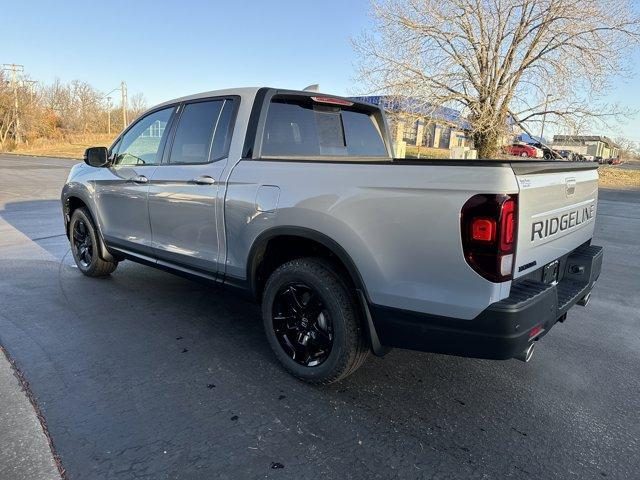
(14, 69)
(544, 117)
(109, 115)
(123, 95)
(123, 98)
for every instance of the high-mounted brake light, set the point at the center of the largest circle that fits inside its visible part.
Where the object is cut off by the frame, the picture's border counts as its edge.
(488, 226)
(332, 101)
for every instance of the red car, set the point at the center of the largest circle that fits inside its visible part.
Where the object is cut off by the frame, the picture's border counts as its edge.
(522, 150)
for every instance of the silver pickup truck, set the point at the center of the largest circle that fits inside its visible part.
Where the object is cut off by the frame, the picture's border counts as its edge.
(296, 198)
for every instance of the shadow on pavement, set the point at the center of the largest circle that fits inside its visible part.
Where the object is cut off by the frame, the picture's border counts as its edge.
(40, 221)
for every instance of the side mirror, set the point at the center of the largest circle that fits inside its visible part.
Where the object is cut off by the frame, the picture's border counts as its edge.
(96, 156)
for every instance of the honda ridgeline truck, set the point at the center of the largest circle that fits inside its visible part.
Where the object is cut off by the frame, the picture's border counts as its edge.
(296, 198)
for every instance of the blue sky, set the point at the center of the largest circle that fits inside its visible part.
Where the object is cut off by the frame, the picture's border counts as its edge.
(169, 49)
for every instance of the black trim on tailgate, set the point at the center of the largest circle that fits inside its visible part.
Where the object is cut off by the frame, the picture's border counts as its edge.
(529, 168)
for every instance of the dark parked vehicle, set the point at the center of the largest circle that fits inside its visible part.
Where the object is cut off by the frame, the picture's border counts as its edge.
(548, 152)
(569, 155)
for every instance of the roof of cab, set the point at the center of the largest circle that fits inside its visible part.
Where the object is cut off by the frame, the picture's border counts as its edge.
(242, 92)
(251, 92)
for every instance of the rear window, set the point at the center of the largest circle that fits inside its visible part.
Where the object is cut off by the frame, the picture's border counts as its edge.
(303, 128)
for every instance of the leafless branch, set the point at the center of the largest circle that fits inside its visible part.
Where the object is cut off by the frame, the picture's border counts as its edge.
(490, 57)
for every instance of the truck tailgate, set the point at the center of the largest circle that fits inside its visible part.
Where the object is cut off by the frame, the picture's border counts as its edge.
(556, 210)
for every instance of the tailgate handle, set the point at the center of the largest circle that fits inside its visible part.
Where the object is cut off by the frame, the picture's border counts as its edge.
(570, 186)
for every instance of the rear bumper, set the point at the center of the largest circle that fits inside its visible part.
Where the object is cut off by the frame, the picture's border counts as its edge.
(505, 328)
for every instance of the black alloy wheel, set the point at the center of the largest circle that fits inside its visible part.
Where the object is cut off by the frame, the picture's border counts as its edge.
(82, 243)
(312, 321)
(85, 246)
(302, 324)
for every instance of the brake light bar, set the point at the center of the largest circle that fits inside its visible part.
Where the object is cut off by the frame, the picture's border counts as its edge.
(508, 224)
(488, 227)
(332, 101)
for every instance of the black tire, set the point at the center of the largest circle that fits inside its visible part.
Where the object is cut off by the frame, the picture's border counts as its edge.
(339, 313)
(84, 242)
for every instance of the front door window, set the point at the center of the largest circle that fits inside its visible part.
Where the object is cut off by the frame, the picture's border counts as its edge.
(140, 145)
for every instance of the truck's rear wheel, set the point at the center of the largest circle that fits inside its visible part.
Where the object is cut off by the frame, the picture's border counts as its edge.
(312, 322)
(83, 238)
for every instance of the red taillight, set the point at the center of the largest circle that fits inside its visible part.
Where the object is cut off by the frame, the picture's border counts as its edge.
(332, 101)
(489, 231)
(483, 229)
(507, 224)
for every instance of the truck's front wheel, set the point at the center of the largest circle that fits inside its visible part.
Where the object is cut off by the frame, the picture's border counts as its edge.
(83, 239)
(312, 322)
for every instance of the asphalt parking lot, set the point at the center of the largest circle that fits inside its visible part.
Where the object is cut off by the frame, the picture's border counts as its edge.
(630, 166)
(147, 375)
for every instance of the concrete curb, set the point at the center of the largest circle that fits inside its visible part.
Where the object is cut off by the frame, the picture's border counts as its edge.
(26, 390)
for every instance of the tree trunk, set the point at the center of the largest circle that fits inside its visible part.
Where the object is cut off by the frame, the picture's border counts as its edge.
(487, 144)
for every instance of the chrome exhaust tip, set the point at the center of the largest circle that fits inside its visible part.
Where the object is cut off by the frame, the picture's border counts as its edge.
(584, 301)
(526, 354)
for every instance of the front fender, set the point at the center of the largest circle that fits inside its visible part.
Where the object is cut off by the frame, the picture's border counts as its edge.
(79, 192)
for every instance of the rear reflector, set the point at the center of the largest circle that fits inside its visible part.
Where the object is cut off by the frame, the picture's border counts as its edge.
(506, 264)
(535, 331)
(332, 101)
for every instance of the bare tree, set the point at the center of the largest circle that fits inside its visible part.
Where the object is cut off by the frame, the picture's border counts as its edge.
(496, 59)
(7, 113)
(86, 106)
(628, 148)
(54, 111)
(137, 105)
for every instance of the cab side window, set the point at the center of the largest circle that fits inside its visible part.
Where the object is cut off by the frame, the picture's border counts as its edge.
(140, 145)
(192, 142)
(203, 133)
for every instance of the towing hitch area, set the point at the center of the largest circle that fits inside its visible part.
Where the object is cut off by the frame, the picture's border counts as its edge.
(584, 301)
(526, 354)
